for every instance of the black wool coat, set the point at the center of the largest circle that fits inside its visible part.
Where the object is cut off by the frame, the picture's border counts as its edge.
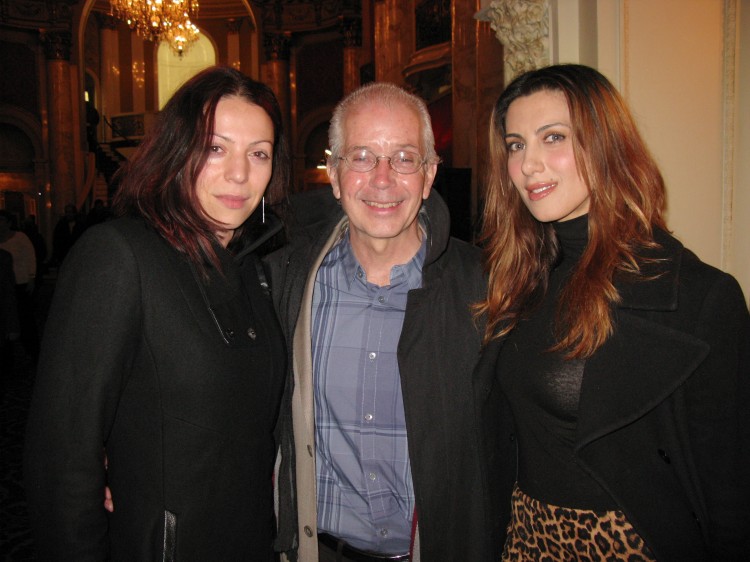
(180, 391)
(664, 415)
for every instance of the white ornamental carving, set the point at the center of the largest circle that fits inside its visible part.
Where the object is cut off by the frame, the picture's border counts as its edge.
(522, 26)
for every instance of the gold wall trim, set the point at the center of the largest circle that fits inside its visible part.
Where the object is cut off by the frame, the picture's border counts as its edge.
(729, 119)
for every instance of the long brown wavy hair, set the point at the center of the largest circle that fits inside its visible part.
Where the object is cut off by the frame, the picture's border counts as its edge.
(627, 200)
(159, 182)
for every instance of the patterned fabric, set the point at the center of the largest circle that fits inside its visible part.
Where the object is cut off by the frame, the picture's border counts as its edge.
(548, 533)
(365, 492)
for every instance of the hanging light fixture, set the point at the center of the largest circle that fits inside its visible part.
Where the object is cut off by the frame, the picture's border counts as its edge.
(160, 20)
(179, 36)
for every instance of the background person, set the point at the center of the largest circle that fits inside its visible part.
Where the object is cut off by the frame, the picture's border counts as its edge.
(30, 229)
(9, 325)
(67, 230)
(624, 360)
(18, 245)
(162, 350)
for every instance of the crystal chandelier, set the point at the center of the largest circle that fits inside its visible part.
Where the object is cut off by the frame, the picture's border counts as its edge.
(179, 36)
(160, 20)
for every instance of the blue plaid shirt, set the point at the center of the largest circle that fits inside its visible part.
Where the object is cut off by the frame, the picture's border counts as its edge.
(365, 492)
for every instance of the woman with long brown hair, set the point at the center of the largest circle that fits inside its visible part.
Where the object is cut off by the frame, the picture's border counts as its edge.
(613, 389)
(162, 354)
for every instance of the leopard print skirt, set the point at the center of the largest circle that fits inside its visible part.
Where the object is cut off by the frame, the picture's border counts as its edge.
(544, 532)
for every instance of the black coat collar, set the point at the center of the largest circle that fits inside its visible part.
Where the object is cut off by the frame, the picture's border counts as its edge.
(657, 288)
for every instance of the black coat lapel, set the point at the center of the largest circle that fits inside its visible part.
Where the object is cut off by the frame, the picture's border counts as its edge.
(634, 371)
(644, 361)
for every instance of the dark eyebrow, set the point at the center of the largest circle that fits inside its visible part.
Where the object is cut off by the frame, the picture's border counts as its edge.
(550, 125)
(540, 129)
(255, 143)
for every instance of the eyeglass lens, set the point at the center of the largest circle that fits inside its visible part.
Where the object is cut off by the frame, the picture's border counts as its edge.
(403, 161)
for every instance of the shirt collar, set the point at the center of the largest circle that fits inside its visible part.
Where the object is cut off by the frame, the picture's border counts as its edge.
(409, 272)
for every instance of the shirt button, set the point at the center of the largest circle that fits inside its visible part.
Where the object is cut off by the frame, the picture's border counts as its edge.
(381, 300)
(372, 476)
(251, 333)
(368, 417)
(383, 532)
(360, 274)
(372, 355)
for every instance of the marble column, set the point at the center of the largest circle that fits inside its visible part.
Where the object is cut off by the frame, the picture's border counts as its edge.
(138, 71)
(490, 81)
(464, 65)
(110, 70)
(394, 38)
(351, 28)
(60, 113)
(276, 71)
(233, 42)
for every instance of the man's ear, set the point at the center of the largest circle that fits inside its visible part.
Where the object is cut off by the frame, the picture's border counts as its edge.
(430, 170)
(333, 177)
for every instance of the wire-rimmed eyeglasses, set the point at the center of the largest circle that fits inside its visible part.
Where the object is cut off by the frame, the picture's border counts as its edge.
(364, 160)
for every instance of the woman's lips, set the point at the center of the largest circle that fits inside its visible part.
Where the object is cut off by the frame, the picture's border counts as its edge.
(540, 190)
(232, 201)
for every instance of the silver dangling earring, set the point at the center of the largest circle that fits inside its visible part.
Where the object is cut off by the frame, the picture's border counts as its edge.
(263, 209)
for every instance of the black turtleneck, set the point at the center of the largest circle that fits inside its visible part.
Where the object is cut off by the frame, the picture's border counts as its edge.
(544, 388)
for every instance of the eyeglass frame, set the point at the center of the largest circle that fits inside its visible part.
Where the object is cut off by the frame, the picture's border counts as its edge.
(390, 161)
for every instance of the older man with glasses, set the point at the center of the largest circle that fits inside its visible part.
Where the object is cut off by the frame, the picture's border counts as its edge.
(379, 457)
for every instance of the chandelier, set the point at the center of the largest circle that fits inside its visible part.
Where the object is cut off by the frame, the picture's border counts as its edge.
(160, 20)
(179, 36)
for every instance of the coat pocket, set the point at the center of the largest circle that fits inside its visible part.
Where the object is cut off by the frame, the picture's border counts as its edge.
(170, 537)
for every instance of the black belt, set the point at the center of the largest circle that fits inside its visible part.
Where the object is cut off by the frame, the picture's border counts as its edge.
(356, 555)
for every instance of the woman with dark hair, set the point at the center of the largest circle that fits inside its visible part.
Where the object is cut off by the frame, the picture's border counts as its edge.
(614, 386)
(162, 355)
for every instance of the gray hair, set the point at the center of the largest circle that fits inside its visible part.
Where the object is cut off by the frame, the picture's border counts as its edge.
(389, 95)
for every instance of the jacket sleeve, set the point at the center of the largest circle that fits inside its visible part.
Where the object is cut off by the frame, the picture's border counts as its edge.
(91, 335)
(719, 418)
(276, 265)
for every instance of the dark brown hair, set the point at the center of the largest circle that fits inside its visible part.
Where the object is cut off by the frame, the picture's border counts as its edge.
(627, 199)
(159, 182)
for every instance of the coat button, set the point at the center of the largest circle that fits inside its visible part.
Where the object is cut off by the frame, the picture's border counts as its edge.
(251, 333)
(229, 333)
(664, 456)
(308, 531)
